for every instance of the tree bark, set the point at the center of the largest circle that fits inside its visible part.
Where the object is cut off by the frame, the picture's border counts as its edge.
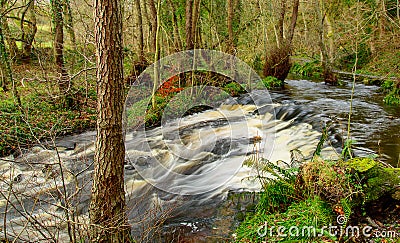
(107, 208)
(5, 61)
(12, 45)
(189, 24)
(230, 27)
(153, 21)
(293, 22)
(64, 80)
(329, 76)
(29, 35)
(281, 21)
(195, 18)
(177, 37)
(140, 25)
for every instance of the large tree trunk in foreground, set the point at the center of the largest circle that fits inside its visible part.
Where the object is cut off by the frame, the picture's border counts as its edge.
(107, 209)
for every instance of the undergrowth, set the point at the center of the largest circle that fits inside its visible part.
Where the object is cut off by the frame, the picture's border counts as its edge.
(296, 204)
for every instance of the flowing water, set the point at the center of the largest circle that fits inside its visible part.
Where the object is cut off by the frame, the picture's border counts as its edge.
(180, 175)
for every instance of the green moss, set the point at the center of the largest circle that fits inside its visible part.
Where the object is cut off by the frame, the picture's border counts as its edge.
(361, 164)
(381, 181)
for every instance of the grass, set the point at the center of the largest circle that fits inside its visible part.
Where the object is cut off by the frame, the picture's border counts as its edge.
(319, 194)
(42, 114)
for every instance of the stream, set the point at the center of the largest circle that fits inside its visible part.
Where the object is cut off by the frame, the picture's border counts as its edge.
(185, 181)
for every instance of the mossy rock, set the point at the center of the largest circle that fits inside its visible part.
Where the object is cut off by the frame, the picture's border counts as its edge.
(361, 164)
(380, 180)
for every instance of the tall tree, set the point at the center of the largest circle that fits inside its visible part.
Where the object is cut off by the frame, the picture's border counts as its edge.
(64, 82)
(230, 27)
(107, 209)
(140, 25)
(189, 25)
(28, 29)
(153, 23)
(329, 76)
(12, 45)
(5, 63)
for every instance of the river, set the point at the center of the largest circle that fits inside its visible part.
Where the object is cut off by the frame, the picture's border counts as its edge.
(181, 178)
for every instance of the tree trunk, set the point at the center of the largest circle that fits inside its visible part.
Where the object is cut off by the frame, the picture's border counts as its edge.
(281, 21)
(140, 25)
(293, 21)
(277, 61)
(177, 37)
(329, 76)
(156, 71)
(69, 22)
(189, 24)
(12, 45)
(63, 81)
(107, 208)
(153, 21)
(195, 18)
(230, 27)
(5, 61)
(28, 35)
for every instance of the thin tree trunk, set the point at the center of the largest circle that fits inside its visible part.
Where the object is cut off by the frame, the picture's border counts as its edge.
(156, 58)
(195, 18)
(69, 22)
(177, 36)
(12, 45)
(331, 43)
(140, 25)
(107, 208)
(230, 27)
(63, 81)
(293, 21)
(7, 66)
(148, 24)
(329, 76)
(153, 19)
(28, 35)
(189, 24)
(281, 20)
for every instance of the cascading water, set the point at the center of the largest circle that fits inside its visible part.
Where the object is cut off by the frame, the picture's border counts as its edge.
(206, 149)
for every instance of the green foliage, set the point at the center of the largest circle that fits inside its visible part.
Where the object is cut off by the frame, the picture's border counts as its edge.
(308, 69)
(272, 82)
(278, 185)
(347, 60)
(299, 217)
(379, 180)
(346, 152)
(392, 90)
(309, 197)
(234, 89)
